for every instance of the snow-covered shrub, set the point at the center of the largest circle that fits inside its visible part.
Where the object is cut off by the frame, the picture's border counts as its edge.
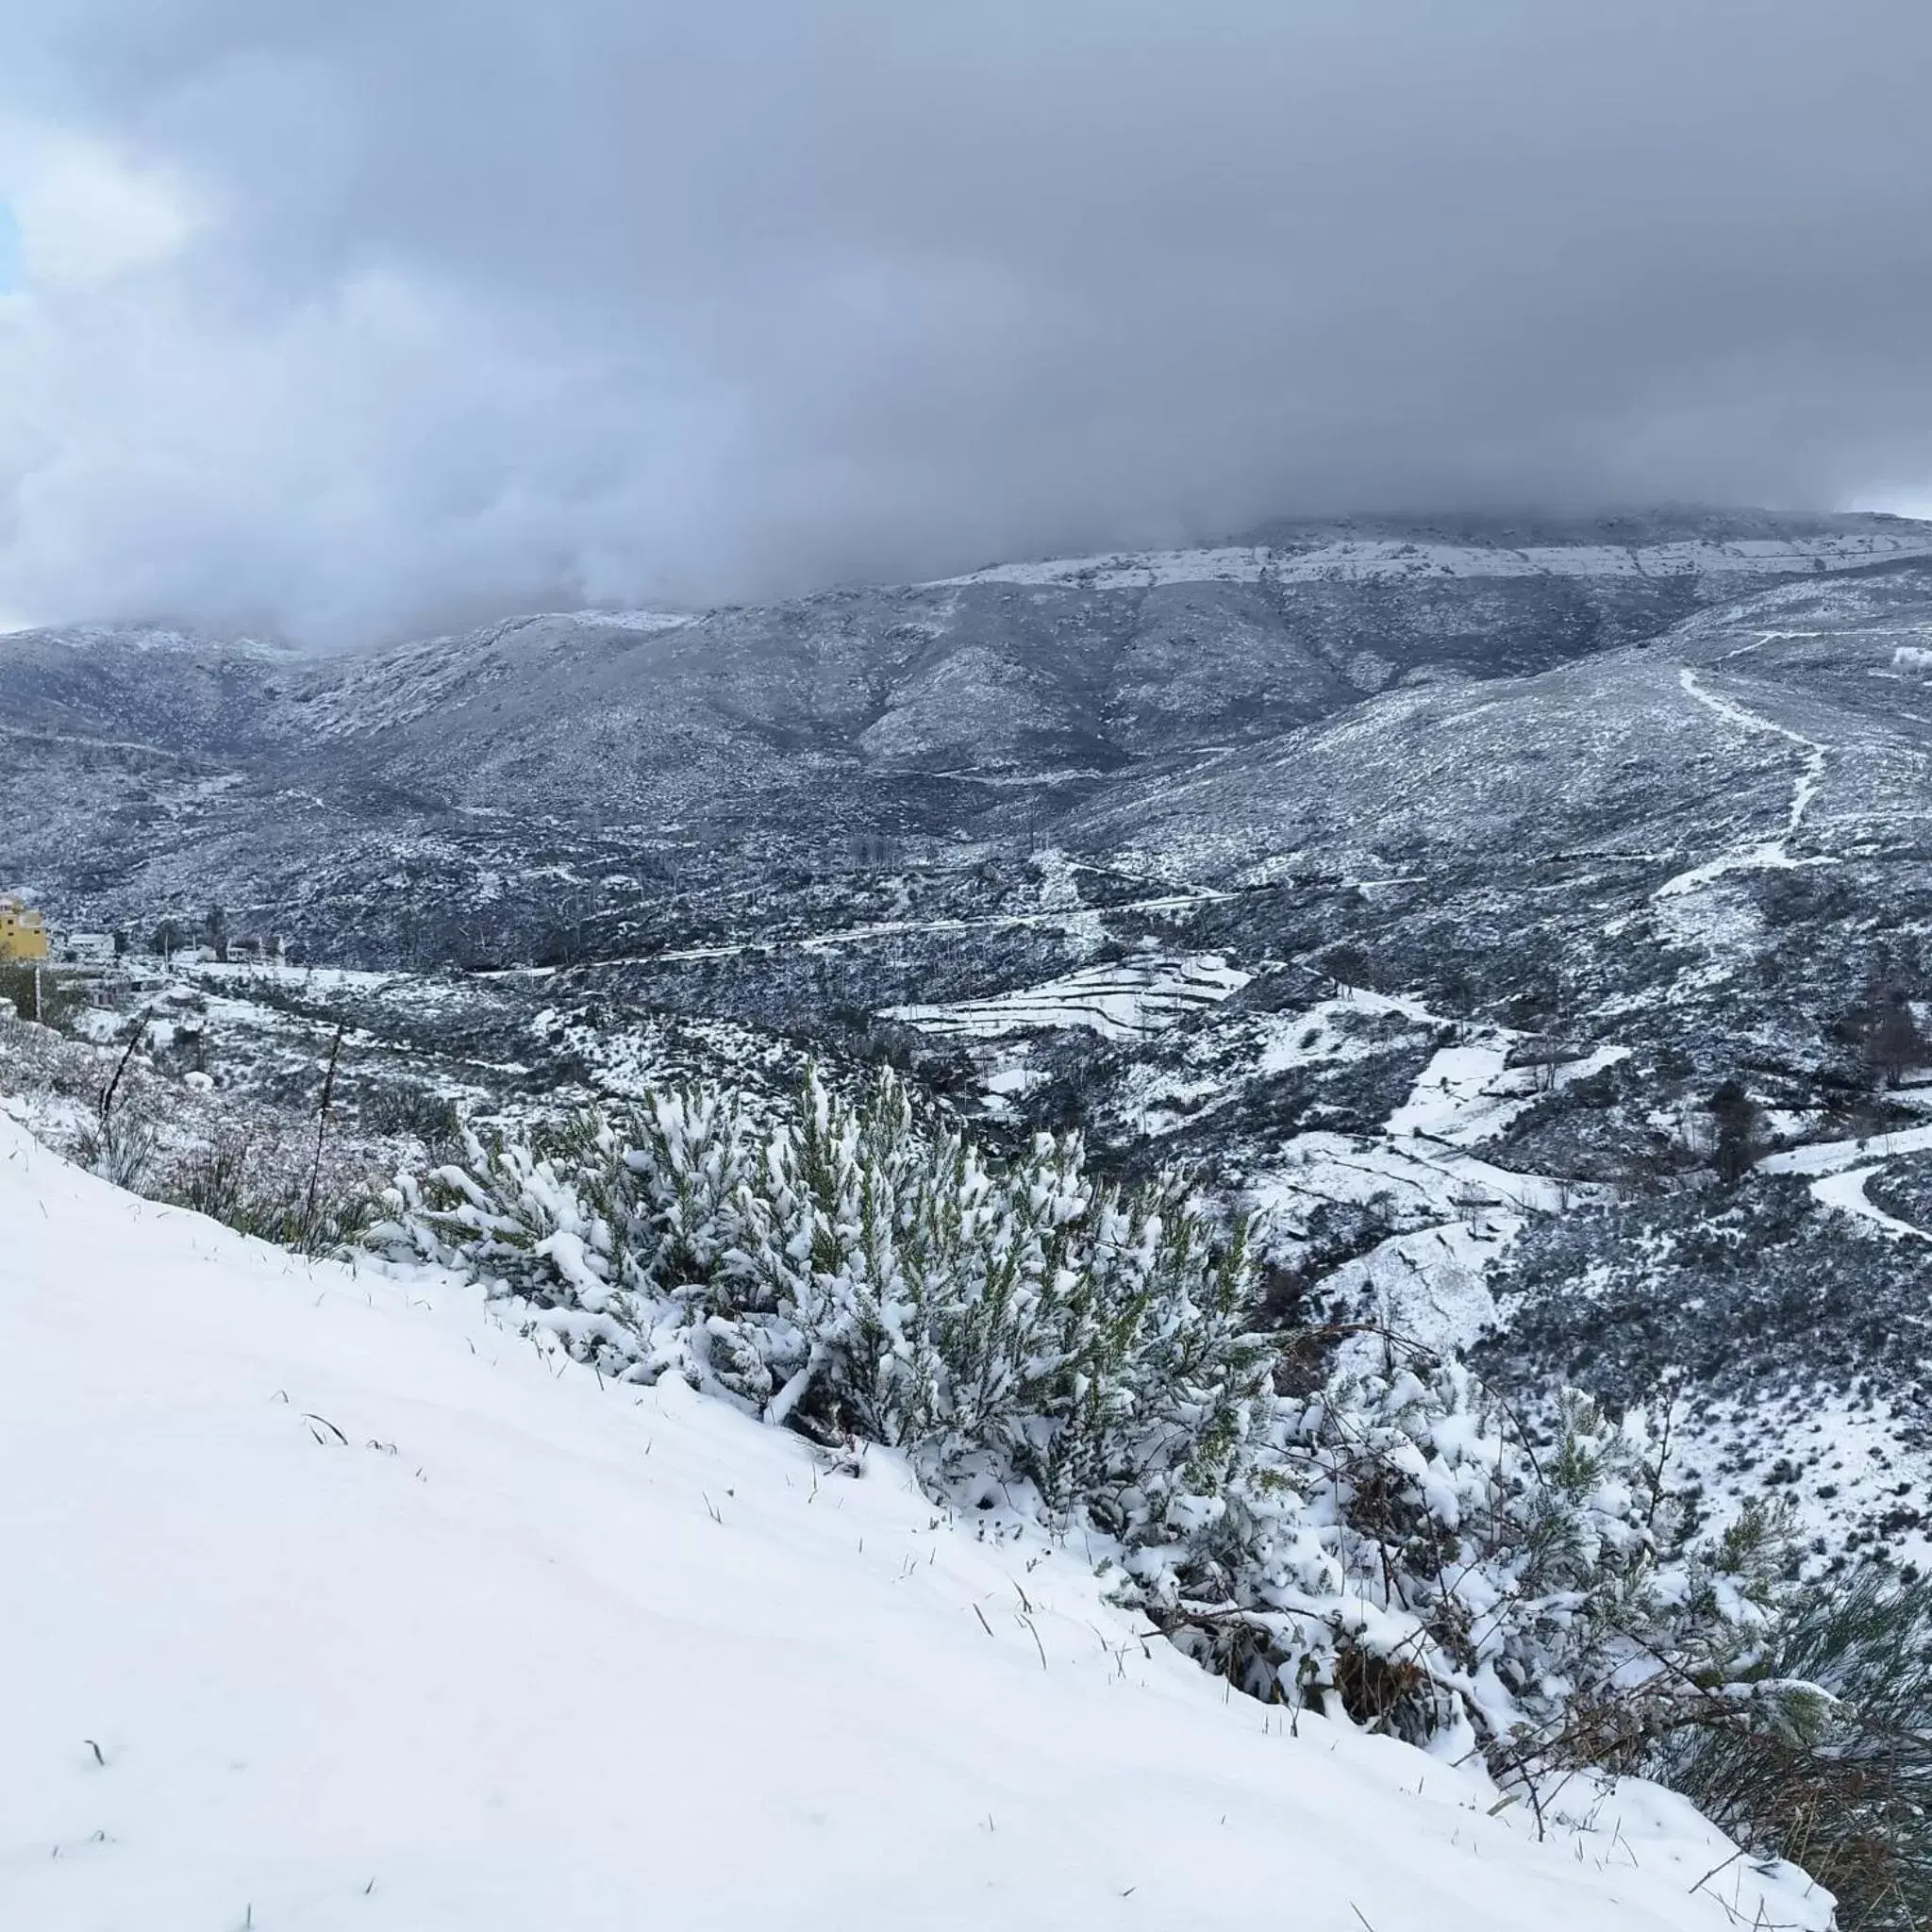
(1400, 1552)
(845, 1270)
(1846, 1790)
(1392, 1546)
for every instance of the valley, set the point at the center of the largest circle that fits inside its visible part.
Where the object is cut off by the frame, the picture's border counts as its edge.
(1440, 901)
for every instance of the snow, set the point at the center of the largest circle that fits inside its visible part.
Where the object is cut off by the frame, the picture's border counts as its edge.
(632, 620)
(1840, 1170)
(1763, 855)
(334, 1602)
(1428, 1281)
(1309, 1037)
(1469, 1093)
(1430, 1284)
(1126, 1000)
(1371, 560)
(1082, 920)
(154, 637)
(1844, 1451)
(1834, 1157)
(320, 980)
(1846, 1192)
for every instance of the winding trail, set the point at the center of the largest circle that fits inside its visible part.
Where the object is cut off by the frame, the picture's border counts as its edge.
(1846, 1192)
(1840, 1169)
(1767, 854)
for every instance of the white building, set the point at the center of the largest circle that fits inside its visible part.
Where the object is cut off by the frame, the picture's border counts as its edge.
(88, 948)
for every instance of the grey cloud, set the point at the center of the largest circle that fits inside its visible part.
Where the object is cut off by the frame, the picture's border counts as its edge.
(526, 301)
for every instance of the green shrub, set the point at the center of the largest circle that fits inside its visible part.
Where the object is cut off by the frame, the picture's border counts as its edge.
(120, 1145)
(59, 997)
(1847, 1791)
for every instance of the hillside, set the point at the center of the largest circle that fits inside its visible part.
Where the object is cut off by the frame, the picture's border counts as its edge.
(1441, 981)
(545, 772)
(337, 1602)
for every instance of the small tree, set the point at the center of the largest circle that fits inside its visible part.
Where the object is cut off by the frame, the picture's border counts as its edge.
(1737, 1130)
(1893, 1044)
(1848, 1795)
(1347, 965)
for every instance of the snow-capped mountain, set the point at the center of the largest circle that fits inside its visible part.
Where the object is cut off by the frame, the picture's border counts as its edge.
(936, 711)
(1419, 885)
(1738, 549)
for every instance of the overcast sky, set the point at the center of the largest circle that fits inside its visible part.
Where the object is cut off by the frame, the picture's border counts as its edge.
(355, 318)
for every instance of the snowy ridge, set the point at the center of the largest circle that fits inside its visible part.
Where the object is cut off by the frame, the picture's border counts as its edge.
(1390, 560)
(146, 638)
(629, 620)
(336, 1590)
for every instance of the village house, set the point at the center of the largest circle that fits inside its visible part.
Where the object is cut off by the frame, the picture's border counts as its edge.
(88, 948)
(23, 933)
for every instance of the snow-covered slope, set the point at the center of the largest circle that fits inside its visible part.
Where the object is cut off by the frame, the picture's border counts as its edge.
(330, 1602)
(1398, 559)
(1126, 1000)
(400, 791)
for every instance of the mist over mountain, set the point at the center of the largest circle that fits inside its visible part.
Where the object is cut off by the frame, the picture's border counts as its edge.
(892, 709)
(365, 321)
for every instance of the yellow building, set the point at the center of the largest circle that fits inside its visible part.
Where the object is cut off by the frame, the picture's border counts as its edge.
(23, 935)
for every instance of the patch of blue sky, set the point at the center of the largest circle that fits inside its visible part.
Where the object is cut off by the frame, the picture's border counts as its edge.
(11, 273)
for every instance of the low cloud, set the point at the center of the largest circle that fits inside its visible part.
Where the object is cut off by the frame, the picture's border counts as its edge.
(351, 319)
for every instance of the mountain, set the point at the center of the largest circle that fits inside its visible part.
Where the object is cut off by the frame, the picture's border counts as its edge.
(1504, 913)
(143, 685)
(437, 777)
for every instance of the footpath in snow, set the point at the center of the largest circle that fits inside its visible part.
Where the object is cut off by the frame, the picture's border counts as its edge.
(1765, 854)
(332, 1603)
(1839, 1170)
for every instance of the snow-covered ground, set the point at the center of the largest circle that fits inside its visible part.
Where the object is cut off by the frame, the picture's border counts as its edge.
(1128, 999)
(332, 1602)
(1453, 1214)
(1765, 854)
(1428, 1281)
(1835, 1445)
(1369, 560)
(153, 637)
(1840, 1169)
(1846, 1192)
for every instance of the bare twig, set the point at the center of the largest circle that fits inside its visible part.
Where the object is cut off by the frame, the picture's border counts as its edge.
(134, 1039)
(329, 1094)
